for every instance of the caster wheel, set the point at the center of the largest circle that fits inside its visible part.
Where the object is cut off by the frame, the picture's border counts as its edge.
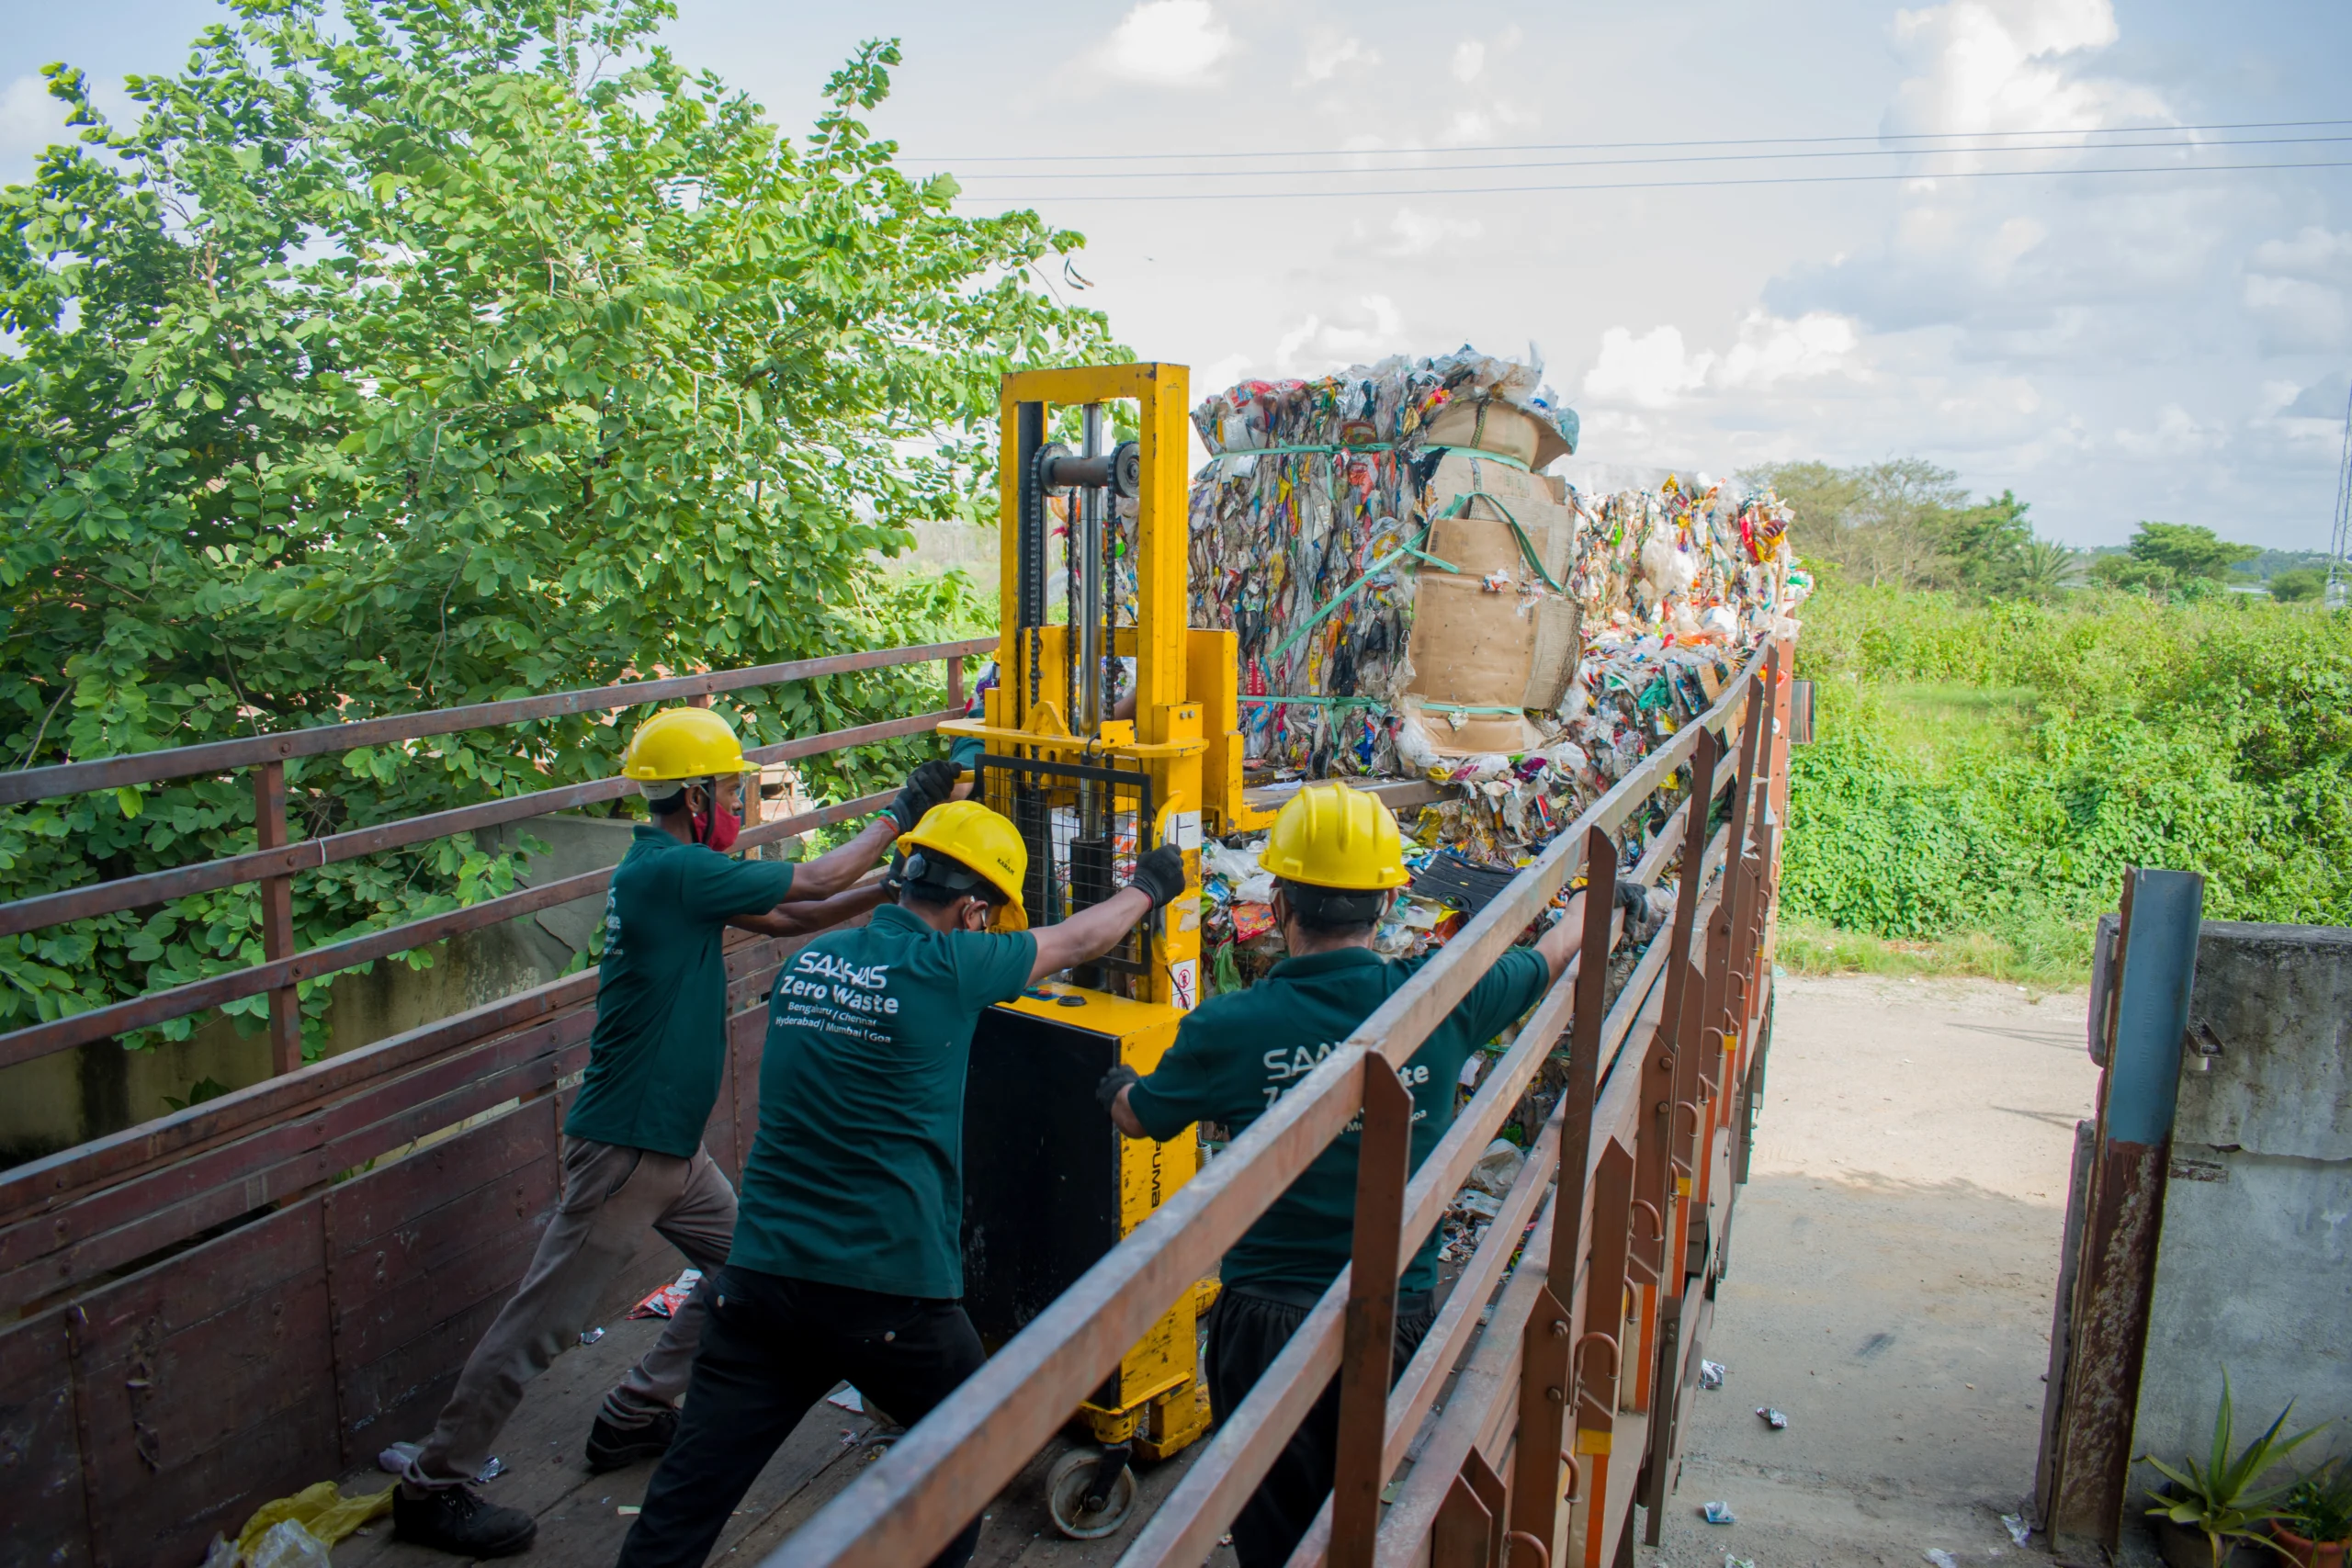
(1065, 1496)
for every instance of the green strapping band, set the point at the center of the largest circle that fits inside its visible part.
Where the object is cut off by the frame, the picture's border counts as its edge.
(1462, 707)
(1375, 569)
(1289, 451)
(1526, 546)
(1476, 453)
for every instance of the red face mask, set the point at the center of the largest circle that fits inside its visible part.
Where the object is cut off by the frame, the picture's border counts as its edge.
(717, 831)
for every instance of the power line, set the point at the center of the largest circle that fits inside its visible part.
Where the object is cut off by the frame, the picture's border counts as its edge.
(1625, 146)
(994, 198)
(1672, 157)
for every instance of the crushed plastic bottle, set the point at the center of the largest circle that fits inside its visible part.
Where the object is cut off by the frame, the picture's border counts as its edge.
(287, 1544)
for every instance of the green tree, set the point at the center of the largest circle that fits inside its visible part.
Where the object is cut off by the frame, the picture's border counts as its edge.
(2131, 574)
(434, 351)
(2045, 570)
(2187, 551)
(2298, 585)
(1988, 544)
(1907, 523)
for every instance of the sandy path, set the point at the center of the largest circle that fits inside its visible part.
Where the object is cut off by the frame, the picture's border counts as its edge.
(1893, 1263)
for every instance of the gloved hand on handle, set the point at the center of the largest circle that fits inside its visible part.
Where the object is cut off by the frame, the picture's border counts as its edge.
(1106, 1093)
(927, 787)
(1160, 875)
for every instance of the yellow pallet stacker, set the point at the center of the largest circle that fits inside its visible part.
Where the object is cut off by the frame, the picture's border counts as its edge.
(1049, 1184)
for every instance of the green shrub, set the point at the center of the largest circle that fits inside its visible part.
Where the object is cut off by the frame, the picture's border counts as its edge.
(1985, 773)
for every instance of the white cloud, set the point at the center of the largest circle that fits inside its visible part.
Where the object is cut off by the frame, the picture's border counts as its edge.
(1469, 59)
(2314, 253)
(2296, 316)
(1412, 232)
(1331, 51)
(2323, 399)
(2003, 65)
(1657, 369)
(2300, 291)
(1773, 349)
(2175, 435)
(1650, 371)
(1319, 344)
(1173, 43)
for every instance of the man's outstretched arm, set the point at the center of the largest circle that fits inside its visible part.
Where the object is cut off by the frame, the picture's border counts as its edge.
(1091, 933)
(807, 916)
(835, 869)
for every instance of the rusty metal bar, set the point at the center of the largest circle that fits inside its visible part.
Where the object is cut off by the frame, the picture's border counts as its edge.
(310, 854)
(277, 918)
(1545, 1379)
(2123, 1212)
(1601, 1336)
(1463, 1534)
(138, 1012)
(223, 756)
(1714, 1004)
(1384, 1158)
(1478, 1390)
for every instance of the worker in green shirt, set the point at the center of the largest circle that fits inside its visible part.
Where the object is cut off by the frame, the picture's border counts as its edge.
(1336, 859)
(633, 1158)
(848, 1261)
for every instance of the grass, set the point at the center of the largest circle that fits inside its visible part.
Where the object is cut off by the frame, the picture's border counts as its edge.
(1809, 947)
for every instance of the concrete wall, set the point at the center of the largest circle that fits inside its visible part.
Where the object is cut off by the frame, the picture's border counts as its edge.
(2254, 1268)
(60, 1101)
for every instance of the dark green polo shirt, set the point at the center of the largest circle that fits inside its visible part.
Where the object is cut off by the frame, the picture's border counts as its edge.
(856, 1177)
(1236, 1054)
(659, 1049)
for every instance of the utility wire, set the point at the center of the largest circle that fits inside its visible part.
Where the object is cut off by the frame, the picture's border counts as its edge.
(1671, 158)
(1623, 146)
(993, 197)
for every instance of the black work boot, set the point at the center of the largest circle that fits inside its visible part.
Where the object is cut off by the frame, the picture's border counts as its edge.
(460, 1520)
(611, 1447)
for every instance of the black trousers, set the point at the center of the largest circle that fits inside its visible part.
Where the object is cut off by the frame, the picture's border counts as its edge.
(772, 1348)
(1246, 1332)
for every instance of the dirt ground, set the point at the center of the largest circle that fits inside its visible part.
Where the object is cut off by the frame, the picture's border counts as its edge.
(1892, 1268)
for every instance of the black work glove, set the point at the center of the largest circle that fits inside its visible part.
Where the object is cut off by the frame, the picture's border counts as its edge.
(1106, 1093)
(927, 787)
(1160, 873)
(1634, 898)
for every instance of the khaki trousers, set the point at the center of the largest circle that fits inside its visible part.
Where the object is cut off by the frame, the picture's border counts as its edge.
(612, 1196)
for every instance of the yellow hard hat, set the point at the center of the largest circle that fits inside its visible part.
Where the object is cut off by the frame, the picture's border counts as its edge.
(683, 743)
(971, 835)
(1331, 836)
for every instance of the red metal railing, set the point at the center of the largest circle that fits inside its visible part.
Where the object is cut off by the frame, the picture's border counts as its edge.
(1568, 1395)
(275, 863)
(219, 1307)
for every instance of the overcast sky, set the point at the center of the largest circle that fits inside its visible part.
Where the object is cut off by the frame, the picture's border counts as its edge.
(2112, 347)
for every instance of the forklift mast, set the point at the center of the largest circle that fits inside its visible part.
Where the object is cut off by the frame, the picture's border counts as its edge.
(1050, 1186)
